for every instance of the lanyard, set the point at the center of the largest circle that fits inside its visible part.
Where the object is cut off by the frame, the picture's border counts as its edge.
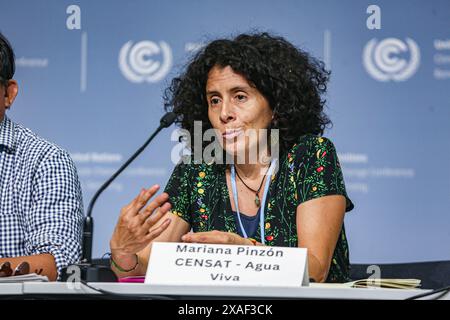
(263, 204)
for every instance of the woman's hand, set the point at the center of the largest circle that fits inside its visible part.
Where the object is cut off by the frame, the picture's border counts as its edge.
(216, 237)
(139, 224)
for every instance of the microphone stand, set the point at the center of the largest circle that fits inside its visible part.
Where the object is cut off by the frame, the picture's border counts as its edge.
(91, 272)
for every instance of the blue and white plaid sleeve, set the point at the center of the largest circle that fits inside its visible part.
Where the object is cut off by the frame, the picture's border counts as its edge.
(54, 221)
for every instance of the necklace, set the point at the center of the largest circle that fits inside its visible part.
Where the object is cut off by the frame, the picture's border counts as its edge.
(264, 199)
(257, 200)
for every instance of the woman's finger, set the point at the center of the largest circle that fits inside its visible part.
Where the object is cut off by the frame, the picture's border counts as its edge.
(154, 233)
(143, 198)
(157, 202)
(125, 210)
(156, 216)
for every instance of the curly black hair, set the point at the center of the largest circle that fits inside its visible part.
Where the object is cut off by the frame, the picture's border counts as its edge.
(291, 80)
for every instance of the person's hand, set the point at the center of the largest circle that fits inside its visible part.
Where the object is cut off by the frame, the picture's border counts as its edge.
(136, 226)
(216, 237)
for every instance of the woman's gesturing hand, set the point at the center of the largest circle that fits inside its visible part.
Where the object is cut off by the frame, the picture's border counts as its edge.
(139, 223)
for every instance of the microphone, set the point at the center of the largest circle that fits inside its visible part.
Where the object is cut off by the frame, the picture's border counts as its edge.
(165, 122)
(99, 273)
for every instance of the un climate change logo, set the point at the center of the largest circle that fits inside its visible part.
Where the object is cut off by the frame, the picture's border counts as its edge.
(145, 61)
(383, 60)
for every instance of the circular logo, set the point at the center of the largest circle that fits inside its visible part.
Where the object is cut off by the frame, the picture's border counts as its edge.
(385, 60)
(145, 61)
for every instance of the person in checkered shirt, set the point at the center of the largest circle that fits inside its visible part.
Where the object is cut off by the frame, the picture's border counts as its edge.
(41, 209)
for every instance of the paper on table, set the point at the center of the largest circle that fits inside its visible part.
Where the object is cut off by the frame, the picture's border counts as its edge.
(31, 277)
(373, 283)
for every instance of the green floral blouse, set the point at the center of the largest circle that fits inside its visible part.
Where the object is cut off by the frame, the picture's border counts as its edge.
(310, 169)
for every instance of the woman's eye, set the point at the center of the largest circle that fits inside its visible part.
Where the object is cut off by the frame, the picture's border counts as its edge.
(215, 101)
(241, 97)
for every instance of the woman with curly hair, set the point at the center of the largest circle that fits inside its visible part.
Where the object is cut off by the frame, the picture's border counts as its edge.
(254, 82)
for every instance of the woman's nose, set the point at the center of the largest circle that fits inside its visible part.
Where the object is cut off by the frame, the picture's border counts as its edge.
(227, 112)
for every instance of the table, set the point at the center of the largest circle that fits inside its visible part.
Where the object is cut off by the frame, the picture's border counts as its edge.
(315, 291)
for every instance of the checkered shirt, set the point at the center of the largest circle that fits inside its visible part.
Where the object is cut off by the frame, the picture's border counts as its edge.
(41, 208)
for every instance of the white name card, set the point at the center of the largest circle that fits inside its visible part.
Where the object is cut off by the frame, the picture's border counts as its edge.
(212, 264)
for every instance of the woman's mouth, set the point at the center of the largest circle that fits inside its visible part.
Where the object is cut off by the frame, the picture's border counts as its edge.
(230, 134)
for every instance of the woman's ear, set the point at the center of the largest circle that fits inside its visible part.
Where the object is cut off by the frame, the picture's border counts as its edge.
(12, 88)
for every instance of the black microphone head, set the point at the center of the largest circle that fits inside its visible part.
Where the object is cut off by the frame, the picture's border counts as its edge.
(167, 119)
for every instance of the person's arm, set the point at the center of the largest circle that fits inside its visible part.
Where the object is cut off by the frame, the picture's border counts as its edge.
(319, 222)
(138, 226)
(322, 202)
(177, 228)
(53, 222)
(43, 264)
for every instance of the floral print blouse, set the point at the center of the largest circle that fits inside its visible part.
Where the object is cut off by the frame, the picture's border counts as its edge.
(310, 169)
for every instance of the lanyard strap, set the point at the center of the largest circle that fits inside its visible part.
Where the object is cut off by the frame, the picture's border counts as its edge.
(263, 204)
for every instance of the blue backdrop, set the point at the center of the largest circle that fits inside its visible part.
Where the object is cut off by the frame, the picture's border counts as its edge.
(92, 74)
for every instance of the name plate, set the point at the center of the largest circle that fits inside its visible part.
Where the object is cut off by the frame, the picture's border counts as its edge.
(212, 264)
